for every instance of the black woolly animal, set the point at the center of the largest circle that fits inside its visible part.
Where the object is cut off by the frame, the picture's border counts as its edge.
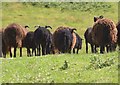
(63, 39)
(41, 37)
(78, 44)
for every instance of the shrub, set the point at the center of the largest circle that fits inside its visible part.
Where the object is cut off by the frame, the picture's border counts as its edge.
(97, 63)
(72, 6)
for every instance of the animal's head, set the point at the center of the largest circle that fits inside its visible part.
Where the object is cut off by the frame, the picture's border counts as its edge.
(38, 26)
(96, 18)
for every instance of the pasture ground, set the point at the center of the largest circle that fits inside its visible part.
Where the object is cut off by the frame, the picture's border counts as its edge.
(82, 67)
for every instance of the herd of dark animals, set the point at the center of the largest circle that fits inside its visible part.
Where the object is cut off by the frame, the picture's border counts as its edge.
(104, 33)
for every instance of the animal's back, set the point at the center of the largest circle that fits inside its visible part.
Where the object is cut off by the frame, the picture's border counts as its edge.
(13, 34)
(104, 31)
(88, 35)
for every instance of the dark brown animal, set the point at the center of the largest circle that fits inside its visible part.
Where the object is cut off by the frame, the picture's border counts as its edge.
(13, 36)
(63, 39)
(88, 39)
(118, 34)
(104, 32)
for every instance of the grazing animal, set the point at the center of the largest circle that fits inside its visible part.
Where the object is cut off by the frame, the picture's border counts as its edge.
(41, 37)
(78, 44)
(118, 34)
(50, 46)
(88, 39)
(28, 42)
(63, 39)
(104, 33)
(13, 36)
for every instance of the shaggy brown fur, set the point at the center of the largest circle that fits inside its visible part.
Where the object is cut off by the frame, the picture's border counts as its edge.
(13, 36)
(104, 32)
(118, 28)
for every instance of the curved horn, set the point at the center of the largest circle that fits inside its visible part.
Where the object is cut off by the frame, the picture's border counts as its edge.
(48, 27)
(27, 26)
(72, 30)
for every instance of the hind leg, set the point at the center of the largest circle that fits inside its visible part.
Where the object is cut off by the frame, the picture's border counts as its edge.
(102, 49)
(86, 46)
(95, 49)
(20, 51)
(43, 48)
(92, 49)
(38, 50)
(28, 52)
(10, 52)
(14, 52)
(74, 50)
(77, 50)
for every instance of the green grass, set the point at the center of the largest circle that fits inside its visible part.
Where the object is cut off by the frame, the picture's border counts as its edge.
(46, 69)
(42, 69)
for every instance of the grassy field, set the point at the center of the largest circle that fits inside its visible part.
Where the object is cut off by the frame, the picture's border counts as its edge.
(82, 67)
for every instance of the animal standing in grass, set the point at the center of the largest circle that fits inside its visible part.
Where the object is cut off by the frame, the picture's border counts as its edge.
(29, 42)
(13, 36)
(118, 28)
(42, 37)
(78, 44)
(104, 32)
(88, 37)
(63, 39)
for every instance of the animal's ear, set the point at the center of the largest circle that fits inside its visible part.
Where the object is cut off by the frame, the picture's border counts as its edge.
(37, 26)
(48, 27)
(27, 26)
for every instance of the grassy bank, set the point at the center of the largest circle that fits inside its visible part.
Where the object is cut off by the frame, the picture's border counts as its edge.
(82, 67)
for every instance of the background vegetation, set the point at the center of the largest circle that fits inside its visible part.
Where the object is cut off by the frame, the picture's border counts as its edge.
(80, 68)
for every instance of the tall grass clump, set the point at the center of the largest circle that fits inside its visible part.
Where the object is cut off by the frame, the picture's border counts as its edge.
(73, 6)
(98, 63)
